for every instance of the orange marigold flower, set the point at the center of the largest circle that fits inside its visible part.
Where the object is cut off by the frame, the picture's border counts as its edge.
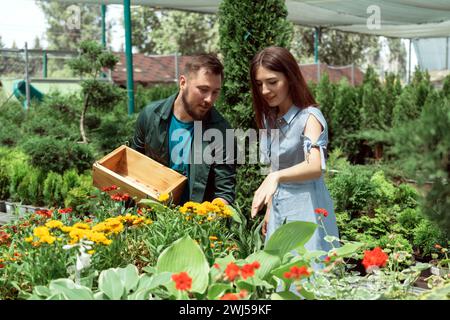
(44, 213)
(182, 281)
(229, 296)
(437, 246)
(375, 257)
(322, 211)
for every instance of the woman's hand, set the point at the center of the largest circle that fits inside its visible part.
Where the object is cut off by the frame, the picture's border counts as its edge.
(265, 222)
(264, 193)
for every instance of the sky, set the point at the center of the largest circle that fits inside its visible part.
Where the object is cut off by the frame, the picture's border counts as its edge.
(22, 20)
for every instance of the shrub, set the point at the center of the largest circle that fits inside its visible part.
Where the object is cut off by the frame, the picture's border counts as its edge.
(29, 190)
(52, 190)
(49, 154)
(144, 96)
(9, 134)
(426, 235)
(17, 172)
(4, 183)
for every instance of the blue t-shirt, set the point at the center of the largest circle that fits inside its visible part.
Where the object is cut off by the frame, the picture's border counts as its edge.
(180, 141)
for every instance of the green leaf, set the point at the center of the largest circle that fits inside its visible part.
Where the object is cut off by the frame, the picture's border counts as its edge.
(70, 290)
(129, 277)
(110, 284)
(347, 249)
(267, 263)
(290, 236)
(155, 205)
(236, 215)
(141, 294)
(152, 282)
(57, 296)
(42, 291)
(284, 295)
(217, 289)
(186, 255)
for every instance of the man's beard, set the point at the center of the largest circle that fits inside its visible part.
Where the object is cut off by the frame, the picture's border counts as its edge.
(190, 109)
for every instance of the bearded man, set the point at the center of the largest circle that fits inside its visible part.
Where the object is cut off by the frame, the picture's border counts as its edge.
(172, 131)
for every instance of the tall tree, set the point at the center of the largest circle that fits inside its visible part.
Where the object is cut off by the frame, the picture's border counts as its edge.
(397, 56)
(144, 20)
(335, 47)
(69, 24)
(186, 33)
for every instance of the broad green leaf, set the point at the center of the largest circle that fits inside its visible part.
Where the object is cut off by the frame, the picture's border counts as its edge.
(252, 282)
(222, 263)
(186, 255)
(99, 296)
(266, 261)
(347, 249)
(149, 203)
(129, 277)
(149, 269)
(331, 239)
(152, 282)
(141, 294)
(314, 254)
(236, 215)
(57, 296)
(110, 284)
(70, 290)
(290, 236)
(284, 295)
(42, 291)
(217, 289)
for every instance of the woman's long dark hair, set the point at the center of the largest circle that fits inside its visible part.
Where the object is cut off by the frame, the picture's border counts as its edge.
(280, 60)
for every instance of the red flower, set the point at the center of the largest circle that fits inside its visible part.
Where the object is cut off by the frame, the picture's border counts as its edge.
(321, 211)
(45, 213)
(243, 294)
(327, 259)
(65, 211)
(2, 265)
(215, 265)
(232, 271)
(110, 188)
(297, 272)
(182, 281)
(229, 296)
(120, 197)
(373, 258)
(248, 270)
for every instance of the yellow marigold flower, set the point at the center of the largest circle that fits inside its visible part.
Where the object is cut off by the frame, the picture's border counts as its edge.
(66, 229)
(81, 225)
(148, 221)
(163, 197)
(218, 202)
(183, 210)
(213, 238)
(29, 239)
(54, 224)
(47, 239)
(107, 242)
(35, 244)
(210, 218)
(201, 211)
(41, 232)
(212, 245)
(91, 252)
(138, 221)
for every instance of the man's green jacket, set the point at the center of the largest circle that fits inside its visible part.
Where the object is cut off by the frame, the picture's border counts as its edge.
(206, 181)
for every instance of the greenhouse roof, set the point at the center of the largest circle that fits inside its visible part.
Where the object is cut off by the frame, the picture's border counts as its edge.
(390, 18)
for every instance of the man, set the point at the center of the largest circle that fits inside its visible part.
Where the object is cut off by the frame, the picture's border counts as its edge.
(165, 132)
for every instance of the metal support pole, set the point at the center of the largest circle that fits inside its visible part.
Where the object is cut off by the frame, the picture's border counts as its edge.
(177, 71)
(103, 26)
(129, 56)
(353, 74)
(409, 62)
(316, 45)
(44, 65)
(27, 79)
(446, 54)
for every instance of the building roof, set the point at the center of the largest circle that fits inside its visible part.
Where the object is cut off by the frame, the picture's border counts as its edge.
(151, 70)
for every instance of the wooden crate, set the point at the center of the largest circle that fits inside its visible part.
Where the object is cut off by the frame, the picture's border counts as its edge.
(137, 175)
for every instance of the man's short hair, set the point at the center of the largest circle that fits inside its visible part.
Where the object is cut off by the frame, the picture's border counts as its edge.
(208, 61)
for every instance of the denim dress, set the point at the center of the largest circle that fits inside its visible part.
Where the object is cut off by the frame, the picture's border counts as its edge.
(296, 201)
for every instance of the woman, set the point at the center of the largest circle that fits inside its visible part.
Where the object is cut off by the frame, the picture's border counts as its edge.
(295, 187)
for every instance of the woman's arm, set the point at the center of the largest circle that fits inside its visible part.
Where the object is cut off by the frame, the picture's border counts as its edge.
(306, 170)
(311, 167)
